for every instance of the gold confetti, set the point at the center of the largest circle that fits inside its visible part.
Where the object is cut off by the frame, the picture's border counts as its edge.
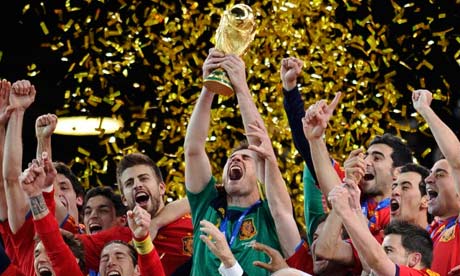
(141, 62)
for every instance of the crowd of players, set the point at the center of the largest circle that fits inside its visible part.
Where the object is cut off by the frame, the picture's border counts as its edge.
(377, 214)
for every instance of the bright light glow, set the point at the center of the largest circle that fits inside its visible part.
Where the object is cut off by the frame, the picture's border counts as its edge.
(83, 126)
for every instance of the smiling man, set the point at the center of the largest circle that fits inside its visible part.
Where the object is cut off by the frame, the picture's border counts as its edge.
(70, 193)
(102, 209)
(119, 258)
(440, 185)
(42, 263)
(443, 186)
(374, 171)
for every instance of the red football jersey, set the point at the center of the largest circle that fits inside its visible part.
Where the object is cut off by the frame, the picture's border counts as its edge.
(402, 270)
(5, 234)
(302, 259)
(174, 243)
(446, 248)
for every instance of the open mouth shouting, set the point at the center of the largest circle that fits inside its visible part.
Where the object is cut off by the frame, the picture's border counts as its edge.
(113, 273)
(141, 198)
(44, 271)
(368, 176)
(432, 194)
(394, 206)
(235, 172)
(95, 227)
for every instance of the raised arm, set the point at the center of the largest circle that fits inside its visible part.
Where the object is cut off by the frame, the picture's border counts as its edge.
(366, 245)
(294, 106)
(44, 128)
(313, 204)
(32, 181)
(197, 166)
(330, 245)
(314, 126)
(445, 138)
(5, 112)
(149, 262)
(22, 95)
(278, 197)
(236, 70)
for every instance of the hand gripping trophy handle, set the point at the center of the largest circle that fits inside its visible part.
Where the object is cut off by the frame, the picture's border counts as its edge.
(235, 32)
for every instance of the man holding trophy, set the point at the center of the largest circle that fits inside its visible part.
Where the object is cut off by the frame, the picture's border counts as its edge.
(240, 213)
(236, 31)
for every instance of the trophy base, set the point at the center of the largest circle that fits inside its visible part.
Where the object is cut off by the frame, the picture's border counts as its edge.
(218, 82)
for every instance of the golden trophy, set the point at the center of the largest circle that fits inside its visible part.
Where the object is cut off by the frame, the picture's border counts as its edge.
(236, 31)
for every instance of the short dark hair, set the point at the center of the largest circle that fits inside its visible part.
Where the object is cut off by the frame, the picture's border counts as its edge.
(421, 170)
(132, 250)
(107, 192)
(244, 144)
(135, 159)
(76, 184)
(401, 154)
(75, 245)
(413, 238)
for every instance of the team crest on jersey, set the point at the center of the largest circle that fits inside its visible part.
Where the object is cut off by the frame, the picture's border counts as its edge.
(187, 245)
(248, 229)
(448, 235)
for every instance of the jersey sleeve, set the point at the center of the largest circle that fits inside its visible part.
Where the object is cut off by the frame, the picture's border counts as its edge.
(60, 255)
(302, 259)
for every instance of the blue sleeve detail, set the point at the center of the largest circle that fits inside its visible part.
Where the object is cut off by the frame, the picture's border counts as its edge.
(64, 220)
(4, 260)
(29, 215)
(299, 245)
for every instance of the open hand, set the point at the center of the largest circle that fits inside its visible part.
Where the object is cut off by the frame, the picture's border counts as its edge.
(277, 261)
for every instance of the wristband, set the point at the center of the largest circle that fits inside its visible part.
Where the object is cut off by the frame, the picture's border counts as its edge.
(143, 247)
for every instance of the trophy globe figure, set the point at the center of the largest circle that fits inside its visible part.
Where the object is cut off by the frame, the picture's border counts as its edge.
(236, 31)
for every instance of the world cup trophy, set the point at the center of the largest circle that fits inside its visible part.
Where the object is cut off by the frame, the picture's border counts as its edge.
(236, 31)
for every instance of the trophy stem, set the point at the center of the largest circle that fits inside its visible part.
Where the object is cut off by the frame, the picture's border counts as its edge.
(219, 82)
